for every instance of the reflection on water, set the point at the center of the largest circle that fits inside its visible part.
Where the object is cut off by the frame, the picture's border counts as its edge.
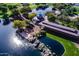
(6, 22)
(17, 41)
(53, 45)
(10, 44)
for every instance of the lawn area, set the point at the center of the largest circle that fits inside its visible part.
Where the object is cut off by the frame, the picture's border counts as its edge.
(77, 12)
(70, 48)
(77, 7)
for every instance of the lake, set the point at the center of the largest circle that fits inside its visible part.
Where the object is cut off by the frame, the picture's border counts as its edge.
(11, 45)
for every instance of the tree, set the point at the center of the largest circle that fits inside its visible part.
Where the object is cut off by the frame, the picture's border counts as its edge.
(59, 6)
(25, 9)
(64, 12)
(5, 16)
(7, 9)
(32, 15)
(51, 17)
(77, 19)
(64, 19)
(69, 10)
(19, 24)
(77, 23)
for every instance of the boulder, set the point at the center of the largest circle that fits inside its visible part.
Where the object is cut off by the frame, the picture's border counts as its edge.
(40, 47)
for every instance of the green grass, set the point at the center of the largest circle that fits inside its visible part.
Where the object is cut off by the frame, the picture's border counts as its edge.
(70, 48)
(77, 9)
(77, 12)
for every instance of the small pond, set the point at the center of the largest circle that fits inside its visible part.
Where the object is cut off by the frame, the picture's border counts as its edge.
(55, 46)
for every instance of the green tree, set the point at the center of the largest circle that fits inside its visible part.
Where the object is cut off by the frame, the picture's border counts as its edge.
(77, 23)
(19, 24)
(77, 19)
(25, 9)
(51, 17)
(32, 15)
(69, 10)
(61, 5)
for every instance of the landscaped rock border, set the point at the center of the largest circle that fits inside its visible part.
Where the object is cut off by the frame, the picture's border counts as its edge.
(45, 51)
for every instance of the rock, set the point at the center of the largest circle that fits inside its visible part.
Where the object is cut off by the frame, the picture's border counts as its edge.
(32, 41)
(45, 54)
(42, 53)
(45, 51)
(40, 47)
(37, 42)
(54, 54)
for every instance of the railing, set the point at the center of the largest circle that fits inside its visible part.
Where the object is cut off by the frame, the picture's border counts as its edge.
(60, 28)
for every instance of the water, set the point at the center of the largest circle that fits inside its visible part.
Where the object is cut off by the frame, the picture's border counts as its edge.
(41, 11)
(53, 45)
(10, 44)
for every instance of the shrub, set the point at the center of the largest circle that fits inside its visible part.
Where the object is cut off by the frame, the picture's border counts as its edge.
(19, 24)
(31, 15)
(51, 17)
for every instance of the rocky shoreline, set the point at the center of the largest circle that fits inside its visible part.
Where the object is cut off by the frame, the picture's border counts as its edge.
(45, 51)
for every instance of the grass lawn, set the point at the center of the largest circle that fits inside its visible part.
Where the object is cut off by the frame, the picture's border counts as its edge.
(77, 7)
(76, 12)
(70, 48)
